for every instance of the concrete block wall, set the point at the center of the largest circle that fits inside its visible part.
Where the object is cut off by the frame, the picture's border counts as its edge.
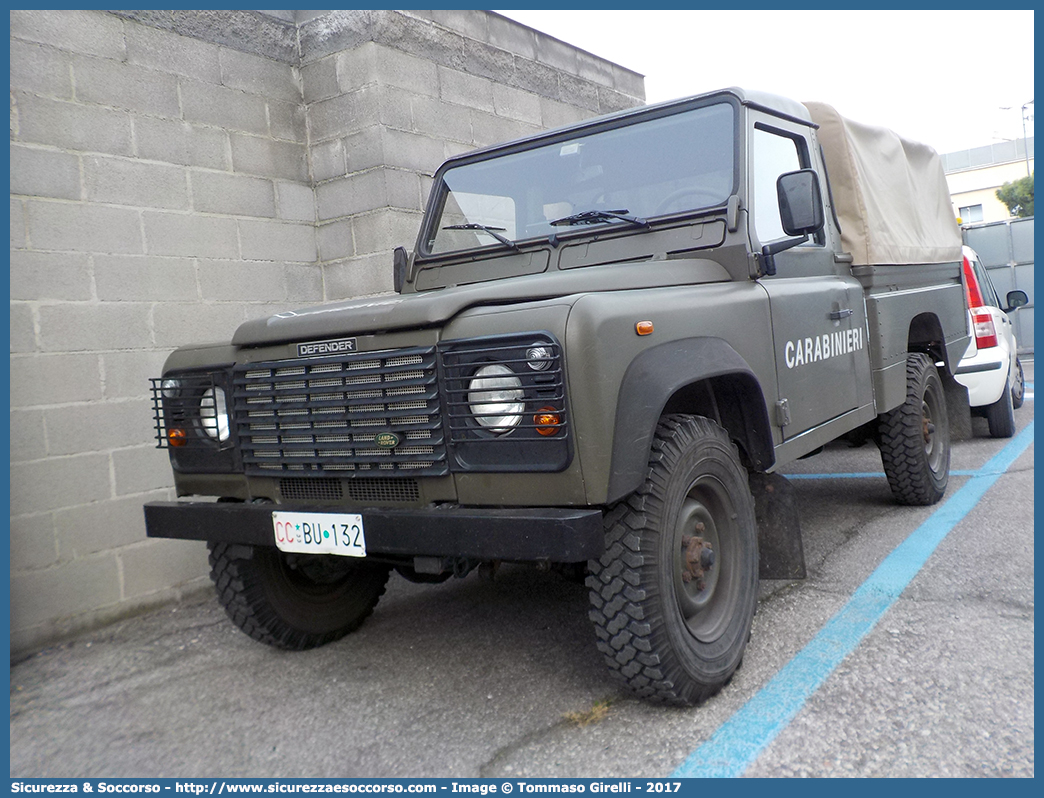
(391, 94)
(174, 173)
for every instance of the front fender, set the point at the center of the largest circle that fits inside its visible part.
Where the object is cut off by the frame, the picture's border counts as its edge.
(703, 376)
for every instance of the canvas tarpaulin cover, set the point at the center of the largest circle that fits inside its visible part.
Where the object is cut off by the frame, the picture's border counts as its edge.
(890, 193)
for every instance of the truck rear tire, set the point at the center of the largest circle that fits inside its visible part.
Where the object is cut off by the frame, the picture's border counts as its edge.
(674, 595)
(294, 601)
(1001, 415)
(915, 437)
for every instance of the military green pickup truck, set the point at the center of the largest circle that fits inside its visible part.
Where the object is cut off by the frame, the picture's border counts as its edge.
(606, 340)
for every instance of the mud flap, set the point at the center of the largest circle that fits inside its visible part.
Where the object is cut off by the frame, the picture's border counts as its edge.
(958, 409)
(780, 552)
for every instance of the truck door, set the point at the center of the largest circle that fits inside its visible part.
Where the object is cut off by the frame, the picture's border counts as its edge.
(817, 310)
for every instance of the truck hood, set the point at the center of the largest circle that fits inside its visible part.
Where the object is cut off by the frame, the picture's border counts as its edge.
(434, 308)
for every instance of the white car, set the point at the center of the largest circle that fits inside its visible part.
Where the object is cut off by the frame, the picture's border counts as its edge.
(990, 369)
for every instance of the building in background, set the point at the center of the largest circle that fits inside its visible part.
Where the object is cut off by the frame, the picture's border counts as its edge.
(975, 175)
(174, 173)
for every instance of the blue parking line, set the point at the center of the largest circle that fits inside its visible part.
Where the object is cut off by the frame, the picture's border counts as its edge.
(741, 739)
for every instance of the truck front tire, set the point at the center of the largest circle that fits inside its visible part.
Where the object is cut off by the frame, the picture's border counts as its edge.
(915, 437)
(674, 595)
(294, 601)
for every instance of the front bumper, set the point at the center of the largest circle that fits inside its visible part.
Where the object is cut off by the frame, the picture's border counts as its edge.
(523, 534)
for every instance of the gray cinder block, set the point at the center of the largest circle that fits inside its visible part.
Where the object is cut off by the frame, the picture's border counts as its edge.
(162, 562)
(50, 276)
(171, 141)
(76, 31)
(84, 479)
(287, 121)
(40, 70)
(335, 240)
(83, 227)
(184, 323)
(223, 107)
(261, 156)
(215, 192)
(89, 327)
(44, 173)
(22, 328)
(55, 379)
(328, 160)
(39, 597)
(72, 126)
(280, 241)
(127, 373)
(357, 193)
(126, 182)
(76, 428)
(242, 281)
(461, 88)
(319, 80)
(33, 544)
(139, 470)
(121, 85)
(190, 235)
(28, 436)
(263, 76)
(168, 52)
(516, 104)
(295, 201)
(144, 277)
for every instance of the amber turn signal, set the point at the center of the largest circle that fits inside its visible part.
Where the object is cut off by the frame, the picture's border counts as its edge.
(644, 328)
(547, 421)
(177, 437)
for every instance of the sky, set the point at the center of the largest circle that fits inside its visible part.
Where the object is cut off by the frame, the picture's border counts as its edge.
(940, 77)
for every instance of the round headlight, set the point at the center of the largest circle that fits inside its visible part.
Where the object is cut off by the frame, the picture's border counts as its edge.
(495, 396)
(213, 413)
(170, 388)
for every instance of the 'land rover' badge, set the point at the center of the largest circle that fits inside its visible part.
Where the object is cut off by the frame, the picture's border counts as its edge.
(387, 440)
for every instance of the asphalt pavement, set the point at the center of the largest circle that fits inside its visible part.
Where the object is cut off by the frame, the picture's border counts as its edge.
(501, 678)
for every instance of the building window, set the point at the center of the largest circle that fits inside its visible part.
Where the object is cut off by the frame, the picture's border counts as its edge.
(970, 213)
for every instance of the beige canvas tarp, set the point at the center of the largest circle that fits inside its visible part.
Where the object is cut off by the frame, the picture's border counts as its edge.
(890, 194)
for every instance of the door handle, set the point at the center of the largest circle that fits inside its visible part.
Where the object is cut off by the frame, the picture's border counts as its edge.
(837, 315)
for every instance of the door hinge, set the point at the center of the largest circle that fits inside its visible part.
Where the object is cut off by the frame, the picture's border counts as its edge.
(782, 413)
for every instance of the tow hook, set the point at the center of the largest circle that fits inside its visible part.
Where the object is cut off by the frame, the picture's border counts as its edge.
(699, 558)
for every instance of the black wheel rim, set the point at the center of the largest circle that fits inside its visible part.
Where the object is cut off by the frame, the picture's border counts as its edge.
(316, 578)
(931, 416)
(704, 559)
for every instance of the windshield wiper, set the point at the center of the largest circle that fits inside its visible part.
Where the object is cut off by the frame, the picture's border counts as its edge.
(507, 242)
(594, 217)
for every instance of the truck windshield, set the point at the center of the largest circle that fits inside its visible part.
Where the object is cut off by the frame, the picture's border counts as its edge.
(640, 171)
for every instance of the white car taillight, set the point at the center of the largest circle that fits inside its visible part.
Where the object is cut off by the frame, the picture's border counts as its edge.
(985, 332)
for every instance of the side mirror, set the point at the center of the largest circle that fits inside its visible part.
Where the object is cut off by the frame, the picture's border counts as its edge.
(1016, 299)
(400, 263)
(800, 203)
(800, 210)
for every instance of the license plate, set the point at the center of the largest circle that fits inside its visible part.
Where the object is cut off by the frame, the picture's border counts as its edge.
(320, 533)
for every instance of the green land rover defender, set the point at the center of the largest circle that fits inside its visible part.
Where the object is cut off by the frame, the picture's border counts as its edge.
(606, 340)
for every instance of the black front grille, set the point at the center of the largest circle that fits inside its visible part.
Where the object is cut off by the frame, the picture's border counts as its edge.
(364, 414)
(360, 489)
